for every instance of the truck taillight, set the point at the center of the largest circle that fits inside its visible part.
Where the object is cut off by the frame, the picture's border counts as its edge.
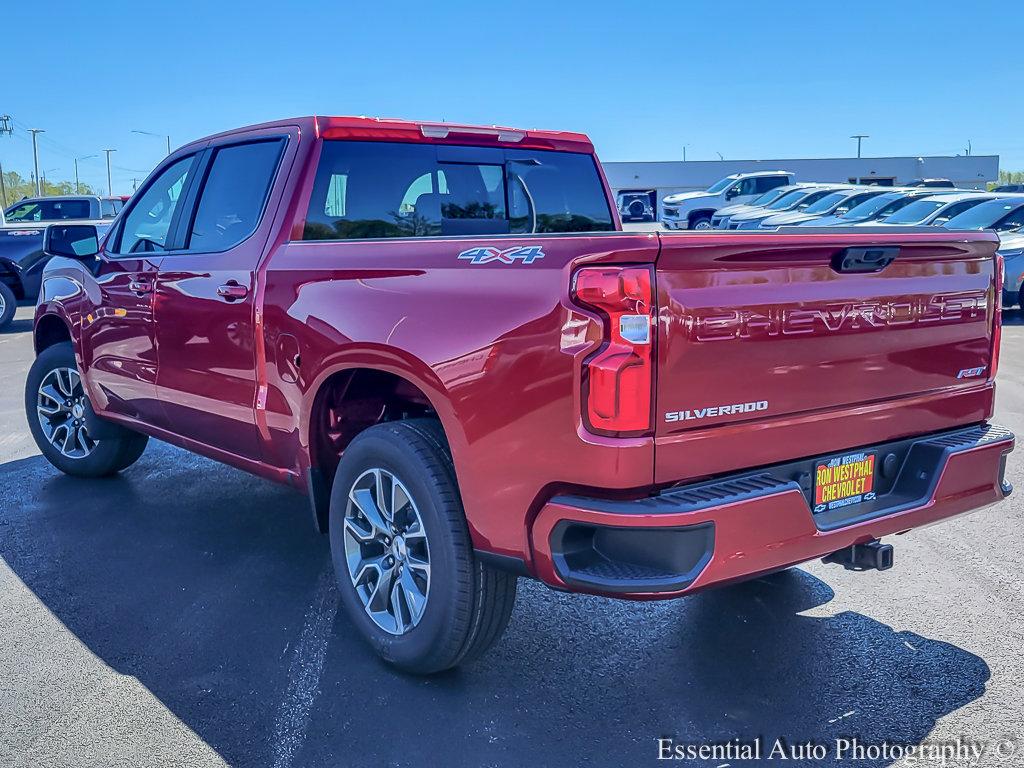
(619, 377)
(997, 320)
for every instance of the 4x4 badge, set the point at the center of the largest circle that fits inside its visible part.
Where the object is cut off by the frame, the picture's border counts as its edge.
(486, 254)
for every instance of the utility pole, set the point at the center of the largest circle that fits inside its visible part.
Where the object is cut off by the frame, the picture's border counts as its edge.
(110, 186)
(968, 147)
(684, 152)
(859, 137)
(7, 128)
(35, 157)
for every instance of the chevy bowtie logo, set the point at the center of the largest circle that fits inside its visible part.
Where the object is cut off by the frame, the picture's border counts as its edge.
(486, 254)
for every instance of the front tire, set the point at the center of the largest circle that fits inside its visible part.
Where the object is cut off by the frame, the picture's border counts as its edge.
(55, 404)
(406, 570)
(8, 305)
(701, 223)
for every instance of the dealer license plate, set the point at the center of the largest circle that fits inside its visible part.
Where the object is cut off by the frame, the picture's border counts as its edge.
(843, 481)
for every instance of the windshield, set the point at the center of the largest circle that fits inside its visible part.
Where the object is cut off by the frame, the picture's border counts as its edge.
(824, 204)
(769, 196)
(788, 200)
(718, 186)
(876, 206)
(48, 210)
(915, 213)
(985, 215)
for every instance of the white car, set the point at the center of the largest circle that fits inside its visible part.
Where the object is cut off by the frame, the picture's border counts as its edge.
(934, 210)
(693, 210)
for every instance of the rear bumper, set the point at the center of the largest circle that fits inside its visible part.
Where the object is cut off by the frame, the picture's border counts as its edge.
(737, 527)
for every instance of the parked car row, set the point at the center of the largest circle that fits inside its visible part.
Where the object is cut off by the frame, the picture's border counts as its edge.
(771, 199)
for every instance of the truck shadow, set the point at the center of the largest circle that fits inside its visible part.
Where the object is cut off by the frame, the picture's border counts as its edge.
(211, 588)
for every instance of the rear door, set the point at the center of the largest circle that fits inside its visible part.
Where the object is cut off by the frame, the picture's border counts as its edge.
(206, 293)
(766, 330)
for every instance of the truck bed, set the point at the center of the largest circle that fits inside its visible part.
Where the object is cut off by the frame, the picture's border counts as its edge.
(769, 349)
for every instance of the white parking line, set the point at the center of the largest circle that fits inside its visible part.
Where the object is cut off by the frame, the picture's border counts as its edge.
(304, 672)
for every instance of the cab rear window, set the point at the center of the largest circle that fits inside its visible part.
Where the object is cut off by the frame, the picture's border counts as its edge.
(381, 190)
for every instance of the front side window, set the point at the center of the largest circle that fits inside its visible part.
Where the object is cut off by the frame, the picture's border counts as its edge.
(48, 210)
(146, 225)
(953, 210)
(382, 190)
(1014, 220)
(233, 195)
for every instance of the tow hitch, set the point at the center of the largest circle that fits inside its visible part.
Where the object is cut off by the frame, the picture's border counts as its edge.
(863, 557)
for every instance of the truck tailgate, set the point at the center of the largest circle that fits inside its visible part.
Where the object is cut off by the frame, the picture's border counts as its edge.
(769, 349)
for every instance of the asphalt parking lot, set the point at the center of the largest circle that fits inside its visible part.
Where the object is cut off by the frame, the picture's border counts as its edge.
(184, 614)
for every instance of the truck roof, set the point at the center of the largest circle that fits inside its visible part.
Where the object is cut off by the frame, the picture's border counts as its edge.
(748, 174)
(394, 129)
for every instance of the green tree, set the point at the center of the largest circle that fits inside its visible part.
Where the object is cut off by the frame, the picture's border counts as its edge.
(1008, 177)
(16, 186)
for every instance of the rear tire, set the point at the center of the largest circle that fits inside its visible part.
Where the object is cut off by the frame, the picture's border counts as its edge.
(407, 574)
(8, 305)
(54, 405)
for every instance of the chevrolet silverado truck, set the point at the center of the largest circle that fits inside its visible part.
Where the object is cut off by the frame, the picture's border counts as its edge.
(442, 336)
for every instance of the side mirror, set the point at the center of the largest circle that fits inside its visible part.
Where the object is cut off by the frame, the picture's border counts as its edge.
(733, 192)
(75, 241)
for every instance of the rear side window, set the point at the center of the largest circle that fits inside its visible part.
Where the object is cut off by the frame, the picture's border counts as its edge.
(382, 190)
(766, 183)
(233, 195)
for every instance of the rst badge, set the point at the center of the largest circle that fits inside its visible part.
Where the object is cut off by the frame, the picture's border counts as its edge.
(527, 254)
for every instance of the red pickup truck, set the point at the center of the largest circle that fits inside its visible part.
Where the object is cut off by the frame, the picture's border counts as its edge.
(441, 334)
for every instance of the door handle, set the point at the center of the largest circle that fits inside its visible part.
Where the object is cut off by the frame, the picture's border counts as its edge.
(232, 291)
(140, 286)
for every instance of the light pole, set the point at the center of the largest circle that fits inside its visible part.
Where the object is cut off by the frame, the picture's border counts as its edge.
(684, 152)
(78, 187)
(46, 171)
(110, 186)
(859, 137)
(35, 156)
(158, 135)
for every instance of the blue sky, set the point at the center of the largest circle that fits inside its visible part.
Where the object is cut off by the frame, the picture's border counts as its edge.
(748, 80)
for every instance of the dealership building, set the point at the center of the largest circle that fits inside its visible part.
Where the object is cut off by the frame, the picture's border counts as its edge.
(665, 177)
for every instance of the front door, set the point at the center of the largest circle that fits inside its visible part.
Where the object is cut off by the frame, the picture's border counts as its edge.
(119, 340)
(205, 302)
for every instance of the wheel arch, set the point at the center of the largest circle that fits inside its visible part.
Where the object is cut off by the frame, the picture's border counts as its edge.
(352, 394)
(50, 328)
(700, 213)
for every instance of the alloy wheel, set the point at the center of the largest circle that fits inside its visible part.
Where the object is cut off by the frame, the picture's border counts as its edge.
(60, 406)
(386, 551)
